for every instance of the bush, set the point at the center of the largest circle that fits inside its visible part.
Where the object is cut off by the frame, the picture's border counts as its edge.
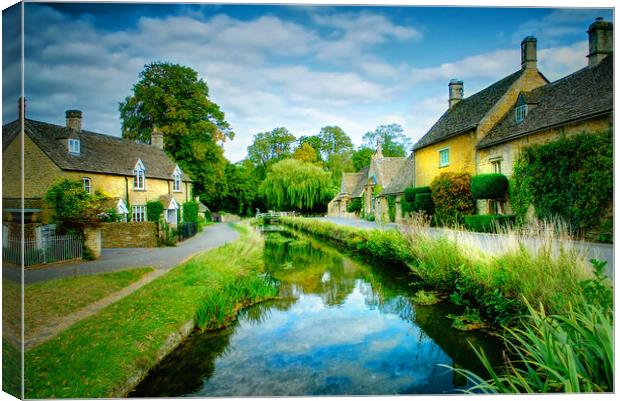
(452, 197)
(370, 217)
(489, 186)
(208, 217)
(154, 209)
(579, 189)
(410, 194)
(190, 212)
(488, 223)
(355, 205)
(74, 208)
(391, 201)
(424, 203)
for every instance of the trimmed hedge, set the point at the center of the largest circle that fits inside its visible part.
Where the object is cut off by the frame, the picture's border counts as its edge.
(410, 194)
(424, 203)
(489, 186)
(488, 223)
(190, 212)
(355, 205)
(154, 209)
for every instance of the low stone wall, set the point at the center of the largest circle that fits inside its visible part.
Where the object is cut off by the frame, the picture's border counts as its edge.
(128, 235)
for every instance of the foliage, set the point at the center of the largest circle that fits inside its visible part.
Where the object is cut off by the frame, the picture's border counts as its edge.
(376, 190)
(334, 141)
(393, 141)
(190, 212)
(172, 98)
(424, 203)
(270, 147)
(355, 205)
(361, 158)
(391, 201)
(74, 208)
(578, 189)
(314, 141)
(410, 198)
(88, 254)
(241, 196)
(154, 209)
(305, 153)
(423, 297)
(294, 184)
(339, 163)
(489, 186)
(370, 217)
(469, 320)
(488, 223)
(452, 196)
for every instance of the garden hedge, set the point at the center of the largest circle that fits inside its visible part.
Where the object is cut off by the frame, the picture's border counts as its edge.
(355, 205)
(424, 203)
(452, 197)
(489, 186)
(410, 194)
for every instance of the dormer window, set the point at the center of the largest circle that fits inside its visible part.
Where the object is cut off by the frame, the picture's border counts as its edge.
(176, 180)
(520, 113)
(74, 146)
(139, 177)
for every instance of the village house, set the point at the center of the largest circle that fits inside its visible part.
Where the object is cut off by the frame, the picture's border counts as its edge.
(128, 172)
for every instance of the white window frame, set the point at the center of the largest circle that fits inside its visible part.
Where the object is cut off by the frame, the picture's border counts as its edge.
(138, 213)
(139, 177)
(87, 184)
(520, 113)
(74, 146)
(441, 162)
(176, 180)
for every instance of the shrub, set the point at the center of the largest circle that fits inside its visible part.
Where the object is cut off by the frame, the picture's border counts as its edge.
(190, 212)
(370, 217)
(452, 197)
(154, 209)
(355, 205)
(423, 297)
(74, 208)
(391, 201)
(410, 194)
(488, 223)
(424, 203)
(579, 189)
(489, 186)
(208, 216)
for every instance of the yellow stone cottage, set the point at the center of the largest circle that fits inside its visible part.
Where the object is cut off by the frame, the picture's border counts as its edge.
(130, 173)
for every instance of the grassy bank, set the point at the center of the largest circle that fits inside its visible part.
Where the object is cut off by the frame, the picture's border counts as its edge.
(97, 356)
(574, 298)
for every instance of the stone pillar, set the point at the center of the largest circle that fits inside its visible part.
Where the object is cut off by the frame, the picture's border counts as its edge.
(92, 240)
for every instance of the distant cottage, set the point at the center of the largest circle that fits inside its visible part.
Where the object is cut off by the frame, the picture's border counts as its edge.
(130, 173)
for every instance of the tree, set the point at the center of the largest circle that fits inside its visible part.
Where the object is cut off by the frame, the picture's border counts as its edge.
(292, 183)
(305, 153)
(74, 208)
(172, 98)
(270, 147)
(242, 197)
(394, 142)
(334, 141)
(361, 157)
(315, 142)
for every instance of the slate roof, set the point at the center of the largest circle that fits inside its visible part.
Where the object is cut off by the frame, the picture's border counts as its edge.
(359, 186)
(583, 94)
(467, 113)
(403, 179)
(99, 153)
(386, 168)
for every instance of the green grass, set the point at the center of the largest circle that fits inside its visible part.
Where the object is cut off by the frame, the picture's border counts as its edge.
(11, 369)
(96, 356)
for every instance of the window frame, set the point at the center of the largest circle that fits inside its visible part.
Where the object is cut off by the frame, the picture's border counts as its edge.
(139, 177)
(447, 152)
(520, 113)
(496, 166)
(176, 183)
(89, 186)
(138, 213)
(74, 146)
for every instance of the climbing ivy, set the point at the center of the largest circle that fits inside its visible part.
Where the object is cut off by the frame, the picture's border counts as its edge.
(391, 201)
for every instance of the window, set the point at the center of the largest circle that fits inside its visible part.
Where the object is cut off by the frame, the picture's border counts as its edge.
(87, 183)
(74, 146)
(138, 177)
(138, 213)
(497, 166)
(444, 157)
(520, 112)
(176, 184)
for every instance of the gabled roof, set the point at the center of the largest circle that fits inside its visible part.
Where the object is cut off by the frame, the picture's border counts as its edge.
(384, 169)
(359, 186)
(403, 179)
(583, 94)
(99, 153)
(467, 113)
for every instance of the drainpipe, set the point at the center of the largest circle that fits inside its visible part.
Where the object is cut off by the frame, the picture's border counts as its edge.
(127, 198)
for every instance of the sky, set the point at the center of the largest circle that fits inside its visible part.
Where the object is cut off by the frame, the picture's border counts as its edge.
(298, 66)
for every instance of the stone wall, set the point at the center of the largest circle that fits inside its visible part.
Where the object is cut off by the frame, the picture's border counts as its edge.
(128, 235)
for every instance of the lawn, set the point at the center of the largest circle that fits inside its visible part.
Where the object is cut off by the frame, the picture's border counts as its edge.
(49, 300)
(98, 355)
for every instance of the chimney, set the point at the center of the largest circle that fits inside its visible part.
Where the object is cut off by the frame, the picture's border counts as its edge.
(528, 53)
(157, 138)
(74, 119)
(601, 38)
(21, 108)
(379, 153)
(455, 89)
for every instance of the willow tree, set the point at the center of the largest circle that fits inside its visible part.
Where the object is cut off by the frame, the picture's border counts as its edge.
(292, 183)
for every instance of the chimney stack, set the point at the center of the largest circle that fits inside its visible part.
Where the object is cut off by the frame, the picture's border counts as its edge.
(74, 119)
(157, 138)
(528, 53)
(21, 108)
(379, 148)
(455, 89)
(601, 38)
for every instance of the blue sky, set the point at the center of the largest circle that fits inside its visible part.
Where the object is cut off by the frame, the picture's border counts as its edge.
(302, 67)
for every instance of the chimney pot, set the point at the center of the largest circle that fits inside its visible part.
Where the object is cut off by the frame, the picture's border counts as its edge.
(528, 53)
(601, 40)
(74, 119)
(455, 91)
(157, 138)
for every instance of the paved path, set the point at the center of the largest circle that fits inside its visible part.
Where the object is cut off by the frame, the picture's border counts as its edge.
(119, 259)
(495, 243)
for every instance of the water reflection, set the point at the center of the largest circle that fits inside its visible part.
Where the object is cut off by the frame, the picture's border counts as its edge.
(341, 327)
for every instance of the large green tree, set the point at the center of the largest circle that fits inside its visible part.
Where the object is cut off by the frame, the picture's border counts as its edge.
(361, 157)
(293, 184)
(174, 99)
(394, 142)
(334, 141)
(314, 141)
(270, 147)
